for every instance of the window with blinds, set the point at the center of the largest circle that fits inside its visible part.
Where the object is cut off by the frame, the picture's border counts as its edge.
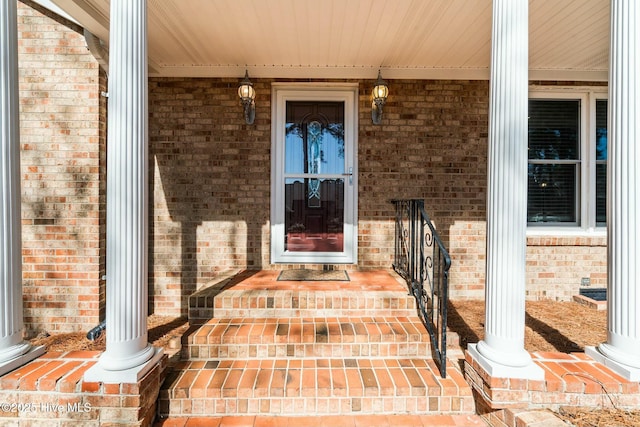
(554, 162)
(601, 162)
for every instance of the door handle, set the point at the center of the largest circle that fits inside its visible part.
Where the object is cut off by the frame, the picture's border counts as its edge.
(350, 175)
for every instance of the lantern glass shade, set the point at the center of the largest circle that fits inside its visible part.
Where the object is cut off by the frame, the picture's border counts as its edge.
(246, 91)
(380, 91)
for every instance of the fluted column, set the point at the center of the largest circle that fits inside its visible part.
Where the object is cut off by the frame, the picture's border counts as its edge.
(14, 351)
(502, 352)
(622, 349)
(127, 194)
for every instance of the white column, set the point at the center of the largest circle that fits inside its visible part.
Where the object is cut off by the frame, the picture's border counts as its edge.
(14, 351)
(127, 353)
(622, 349)
(502, 352)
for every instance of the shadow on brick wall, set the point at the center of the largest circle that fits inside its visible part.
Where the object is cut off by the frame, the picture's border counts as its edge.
(209, 176)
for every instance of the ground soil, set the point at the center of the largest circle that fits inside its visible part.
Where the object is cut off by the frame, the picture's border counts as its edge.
(161, 330)
(549, 326)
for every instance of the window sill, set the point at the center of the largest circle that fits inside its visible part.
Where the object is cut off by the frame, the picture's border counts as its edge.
(566, 236)
(551, 231)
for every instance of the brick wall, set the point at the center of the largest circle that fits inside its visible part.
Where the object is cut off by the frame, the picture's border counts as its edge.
(211, 177)
(211, 186)
(557, 264)
(63, 147)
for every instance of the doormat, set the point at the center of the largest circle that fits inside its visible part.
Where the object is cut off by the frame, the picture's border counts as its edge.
(313, 275)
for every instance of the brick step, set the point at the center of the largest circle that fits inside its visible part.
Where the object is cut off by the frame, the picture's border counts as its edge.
(308, 338)
(377, 420)
(261, 294)
(313, 386)
(270, 303)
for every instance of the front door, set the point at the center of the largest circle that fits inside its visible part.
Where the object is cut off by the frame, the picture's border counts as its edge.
(314, 179)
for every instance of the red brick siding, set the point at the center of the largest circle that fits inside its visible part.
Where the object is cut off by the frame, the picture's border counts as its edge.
(62, 135)
(210, 185)
(556, 265)
(431, 145)
(211, 176)
(211, 189)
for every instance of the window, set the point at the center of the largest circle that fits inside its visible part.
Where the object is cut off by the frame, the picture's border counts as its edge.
(554, 161)
(601, 162)
(567, 160)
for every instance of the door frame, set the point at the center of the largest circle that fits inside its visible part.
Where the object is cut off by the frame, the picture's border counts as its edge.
(280, 94)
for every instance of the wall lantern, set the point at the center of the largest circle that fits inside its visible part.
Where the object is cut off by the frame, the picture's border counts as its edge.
(247, 95)
(380, 93)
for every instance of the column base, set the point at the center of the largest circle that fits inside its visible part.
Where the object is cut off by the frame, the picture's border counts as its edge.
(529, 371)
(606, 354)
(31, 354)
(127, 376)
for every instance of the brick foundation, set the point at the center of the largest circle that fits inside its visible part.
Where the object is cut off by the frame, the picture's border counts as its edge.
(522, 418)
(570, 380)
(556, 265)
(50, 391)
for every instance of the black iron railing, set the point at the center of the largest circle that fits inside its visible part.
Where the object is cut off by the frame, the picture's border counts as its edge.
(423, 261)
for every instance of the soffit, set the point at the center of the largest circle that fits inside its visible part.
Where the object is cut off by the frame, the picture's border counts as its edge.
(354, 38)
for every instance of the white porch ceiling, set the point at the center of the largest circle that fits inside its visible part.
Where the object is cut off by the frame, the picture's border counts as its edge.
(569, 39)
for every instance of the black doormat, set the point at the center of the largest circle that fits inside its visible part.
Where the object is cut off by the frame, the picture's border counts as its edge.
(314, 275)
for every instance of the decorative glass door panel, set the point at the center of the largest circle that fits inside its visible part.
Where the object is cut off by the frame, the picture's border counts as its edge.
(314, 176)
(314, 179)
(314, 223)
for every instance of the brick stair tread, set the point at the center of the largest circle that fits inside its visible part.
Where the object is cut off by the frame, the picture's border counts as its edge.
(309, 338)
(310, 330)
(327, 377)
(303, 298)
(297, 386)
(378, 420)
(263, 301)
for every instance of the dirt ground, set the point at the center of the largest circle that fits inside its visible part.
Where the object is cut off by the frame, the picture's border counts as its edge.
(549, 326)
(161, 330)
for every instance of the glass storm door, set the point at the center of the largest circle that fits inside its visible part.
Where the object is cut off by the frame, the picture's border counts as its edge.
(315, 182)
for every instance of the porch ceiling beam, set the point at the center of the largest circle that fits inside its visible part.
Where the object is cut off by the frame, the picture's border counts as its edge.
(319, 72)
(90, 17)
(364, 72)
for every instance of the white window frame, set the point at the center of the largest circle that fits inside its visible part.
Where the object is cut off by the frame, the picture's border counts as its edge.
(587, 96)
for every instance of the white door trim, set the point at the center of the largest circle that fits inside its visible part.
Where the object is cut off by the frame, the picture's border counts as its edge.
(281, 93)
